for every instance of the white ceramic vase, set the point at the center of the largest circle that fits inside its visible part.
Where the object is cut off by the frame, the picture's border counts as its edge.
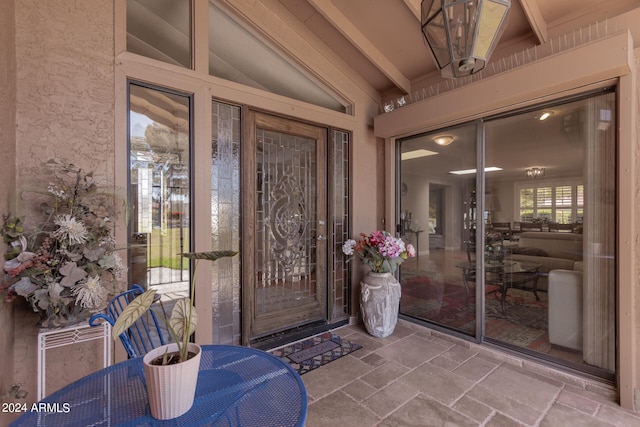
(379, 303)
(171, 388)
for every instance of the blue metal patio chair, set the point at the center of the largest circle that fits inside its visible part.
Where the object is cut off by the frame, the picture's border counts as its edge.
(144, 335)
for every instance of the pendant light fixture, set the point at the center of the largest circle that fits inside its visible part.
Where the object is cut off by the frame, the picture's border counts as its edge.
(463, 33)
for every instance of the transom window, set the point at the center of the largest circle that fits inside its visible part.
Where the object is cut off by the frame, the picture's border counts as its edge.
(163, 30)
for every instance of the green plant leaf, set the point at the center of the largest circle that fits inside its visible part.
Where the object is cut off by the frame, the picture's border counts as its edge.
(180, 319)
(183, 319)
(133, 312)
(211, 256)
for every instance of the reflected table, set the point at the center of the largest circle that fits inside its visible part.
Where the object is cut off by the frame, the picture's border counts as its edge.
(506, 274)
(237, 386)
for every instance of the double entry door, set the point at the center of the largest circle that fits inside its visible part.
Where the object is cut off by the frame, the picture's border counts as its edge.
(284, 226)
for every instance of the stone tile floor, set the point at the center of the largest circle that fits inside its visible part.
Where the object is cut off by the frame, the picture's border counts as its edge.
(419, 377)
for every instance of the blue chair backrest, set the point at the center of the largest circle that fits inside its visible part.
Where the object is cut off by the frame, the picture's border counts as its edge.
(144, 335)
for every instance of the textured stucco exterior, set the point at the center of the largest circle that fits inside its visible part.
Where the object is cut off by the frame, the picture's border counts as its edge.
(65, 85)
(64, 109)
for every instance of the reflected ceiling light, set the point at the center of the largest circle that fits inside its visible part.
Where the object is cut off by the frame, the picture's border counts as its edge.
(470, 171)
(535, 172)
(443, 140)
(463, 33)
(417, 154)
(545, 115)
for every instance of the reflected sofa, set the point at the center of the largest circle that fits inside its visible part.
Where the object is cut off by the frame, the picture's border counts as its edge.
(565, 308)
(560, 257)
(552, 250)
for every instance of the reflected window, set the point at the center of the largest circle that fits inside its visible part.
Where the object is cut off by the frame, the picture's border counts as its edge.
(551, 203)
(160, 29)
(241, 56)
(159, 189)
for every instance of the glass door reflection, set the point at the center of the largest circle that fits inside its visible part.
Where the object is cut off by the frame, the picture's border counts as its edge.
(438, 216)
(159, 191)
(532, 247)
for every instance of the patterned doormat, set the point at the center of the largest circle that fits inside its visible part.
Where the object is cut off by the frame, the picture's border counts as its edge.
(307, 355)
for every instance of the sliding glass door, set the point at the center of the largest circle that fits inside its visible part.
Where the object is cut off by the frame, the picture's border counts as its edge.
(439, 217)
(529, 242)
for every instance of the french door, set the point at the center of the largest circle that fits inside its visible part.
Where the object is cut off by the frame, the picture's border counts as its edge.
(284, 226)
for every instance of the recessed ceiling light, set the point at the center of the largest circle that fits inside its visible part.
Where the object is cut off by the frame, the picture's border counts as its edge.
(545, 115)
(417, 153)
(470, 171)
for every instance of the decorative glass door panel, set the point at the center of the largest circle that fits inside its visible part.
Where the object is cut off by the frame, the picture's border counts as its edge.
(289, 215)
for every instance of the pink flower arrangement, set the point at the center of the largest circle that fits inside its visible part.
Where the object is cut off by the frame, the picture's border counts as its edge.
(379, 250)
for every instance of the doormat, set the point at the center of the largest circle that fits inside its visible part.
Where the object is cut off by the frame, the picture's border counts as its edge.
(309, 354)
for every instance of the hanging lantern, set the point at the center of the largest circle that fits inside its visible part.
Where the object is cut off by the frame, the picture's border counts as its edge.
(463, 33)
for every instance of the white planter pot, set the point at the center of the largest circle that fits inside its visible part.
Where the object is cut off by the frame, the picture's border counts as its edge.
(379, 303)
(171, 388)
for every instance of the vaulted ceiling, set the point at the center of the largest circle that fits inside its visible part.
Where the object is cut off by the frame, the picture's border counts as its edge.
(381, 39)
(378, 39)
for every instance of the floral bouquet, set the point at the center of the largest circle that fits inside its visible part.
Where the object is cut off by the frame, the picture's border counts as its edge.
(380, 251)
(67, 264)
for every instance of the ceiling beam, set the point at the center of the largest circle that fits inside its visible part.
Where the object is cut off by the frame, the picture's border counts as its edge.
(332, 14)
(158, 114)
(537, 22)
(414, 7)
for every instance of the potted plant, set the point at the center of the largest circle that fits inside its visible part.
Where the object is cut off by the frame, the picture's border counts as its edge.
(379, 289)
(171, 371)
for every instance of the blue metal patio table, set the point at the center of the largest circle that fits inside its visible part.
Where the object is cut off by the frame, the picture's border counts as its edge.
(237, 386)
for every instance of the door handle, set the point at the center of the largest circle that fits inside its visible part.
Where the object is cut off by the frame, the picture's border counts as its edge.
(322, 237)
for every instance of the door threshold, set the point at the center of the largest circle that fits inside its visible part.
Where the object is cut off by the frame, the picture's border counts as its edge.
(288, 336)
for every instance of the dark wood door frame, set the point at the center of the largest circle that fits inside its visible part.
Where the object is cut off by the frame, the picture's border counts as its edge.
(255, 324)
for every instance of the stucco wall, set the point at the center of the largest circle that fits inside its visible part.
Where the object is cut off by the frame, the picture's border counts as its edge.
(64, 110)
(7, 179)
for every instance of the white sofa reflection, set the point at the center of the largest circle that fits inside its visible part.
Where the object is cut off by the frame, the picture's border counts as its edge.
(566, 308)
(551, 250)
